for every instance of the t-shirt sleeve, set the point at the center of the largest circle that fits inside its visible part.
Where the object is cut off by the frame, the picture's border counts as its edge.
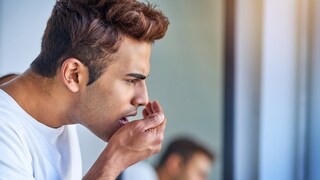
(15, 159)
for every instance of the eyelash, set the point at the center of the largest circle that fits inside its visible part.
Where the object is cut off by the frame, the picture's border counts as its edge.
(132, 81)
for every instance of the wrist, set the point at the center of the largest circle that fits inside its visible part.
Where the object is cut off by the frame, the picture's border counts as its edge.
(107, 166)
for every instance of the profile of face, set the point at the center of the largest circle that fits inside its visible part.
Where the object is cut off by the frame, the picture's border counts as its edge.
(105, 105)
(196, 168)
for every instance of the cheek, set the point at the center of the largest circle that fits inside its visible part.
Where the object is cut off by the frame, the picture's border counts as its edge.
(94, 104)
(122, 94)
(191, 172)
(107, 103)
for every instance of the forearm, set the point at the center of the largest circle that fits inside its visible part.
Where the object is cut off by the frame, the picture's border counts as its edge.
(98, 173)
(106, 167)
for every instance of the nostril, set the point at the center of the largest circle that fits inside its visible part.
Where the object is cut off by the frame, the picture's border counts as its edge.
(139, 102)
(141, 97)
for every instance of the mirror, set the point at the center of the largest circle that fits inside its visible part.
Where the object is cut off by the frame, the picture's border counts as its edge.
(187, 73)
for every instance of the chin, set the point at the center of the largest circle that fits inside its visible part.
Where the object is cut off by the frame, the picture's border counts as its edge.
(105, 134)
(104, 138)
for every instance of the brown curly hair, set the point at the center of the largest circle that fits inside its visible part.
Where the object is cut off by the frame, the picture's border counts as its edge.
(92, 30)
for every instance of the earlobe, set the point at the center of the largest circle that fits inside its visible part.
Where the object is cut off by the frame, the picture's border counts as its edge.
(71, 73)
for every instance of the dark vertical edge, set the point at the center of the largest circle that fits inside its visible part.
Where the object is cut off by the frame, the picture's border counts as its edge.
(310, 88)
(229, 89)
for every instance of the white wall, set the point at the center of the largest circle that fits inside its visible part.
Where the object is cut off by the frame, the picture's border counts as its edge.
(266, 64)
(247, 89)
(277, 90)
(22, 26)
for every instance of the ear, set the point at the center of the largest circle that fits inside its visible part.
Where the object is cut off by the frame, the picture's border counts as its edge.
(74, 74)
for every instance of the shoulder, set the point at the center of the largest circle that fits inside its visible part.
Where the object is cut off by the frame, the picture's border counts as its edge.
(10, 122)
(12, 133)
(15, 157)
(8, 109)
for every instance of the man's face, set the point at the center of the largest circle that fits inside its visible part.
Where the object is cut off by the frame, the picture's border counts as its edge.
(118, 92)
(196, 168)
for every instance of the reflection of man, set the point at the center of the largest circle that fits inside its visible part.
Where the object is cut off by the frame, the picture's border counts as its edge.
(91, 70)
(184, 159)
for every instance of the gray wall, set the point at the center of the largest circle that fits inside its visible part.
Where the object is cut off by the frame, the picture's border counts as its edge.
(277, 90)
(21, 29)
(186, 73)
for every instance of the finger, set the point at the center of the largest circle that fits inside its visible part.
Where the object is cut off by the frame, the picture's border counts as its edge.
(159, 129)
(152, 121)
(148, 108)
(145, 113)
(162, 126)
(155, 106)
(152, 104)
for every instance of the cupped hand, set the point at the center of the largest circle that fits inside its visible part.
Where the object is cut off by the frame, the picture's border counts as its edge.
(133, 142)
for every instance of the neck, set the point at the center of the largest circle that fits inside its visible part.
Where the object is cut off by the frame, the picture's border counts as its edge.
(40, 97)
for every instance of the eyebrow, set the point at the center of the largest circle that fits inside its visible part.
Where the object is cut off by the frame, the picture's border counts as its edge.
(136, 75)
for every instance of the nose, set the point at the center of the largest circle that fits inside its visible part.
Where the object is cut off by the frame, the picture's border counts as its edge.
(141, 95)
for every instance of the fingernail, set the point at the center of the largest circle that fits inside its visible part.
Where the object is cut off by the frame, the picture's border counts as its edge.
(159, 117)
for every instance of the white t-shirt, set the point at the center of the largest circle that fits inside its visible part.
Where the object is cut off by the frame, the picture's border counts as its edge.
(32, 150)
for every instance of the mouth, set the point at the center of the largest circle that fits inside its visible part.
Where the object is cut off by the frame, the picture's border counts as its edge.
(125, 119)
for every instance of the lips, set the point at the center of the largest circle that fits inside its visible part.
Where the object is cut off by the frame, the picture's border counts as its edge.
(123, 121)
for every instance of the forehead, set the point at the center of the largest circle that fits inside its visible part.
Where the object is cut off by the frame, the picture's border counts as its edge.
(133, 55)
(200, 160)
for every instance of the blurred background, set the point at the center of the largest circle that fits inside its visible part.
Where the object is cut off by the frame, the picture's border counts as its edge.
(241, 77)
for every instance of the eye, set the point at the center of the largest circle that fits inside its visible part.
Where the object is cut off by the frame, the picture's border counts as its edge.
(132, 81)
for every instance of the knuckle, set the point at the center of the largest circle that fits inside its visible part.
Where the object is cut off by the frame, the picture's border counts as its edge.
(158, 118)
(155, 121)
(161, 137)
(158, 140)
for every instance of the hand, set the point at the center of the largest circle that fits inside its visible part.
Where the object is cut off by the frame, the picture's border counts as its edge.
(135, 141)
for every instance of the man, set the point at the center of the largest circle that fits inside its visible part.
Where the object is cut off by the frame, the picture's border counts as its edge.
(91, 71)
(184, 159)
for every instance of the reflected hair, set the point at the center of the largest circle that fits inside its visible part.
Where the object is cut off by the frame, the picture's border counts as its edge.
(92, 31)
